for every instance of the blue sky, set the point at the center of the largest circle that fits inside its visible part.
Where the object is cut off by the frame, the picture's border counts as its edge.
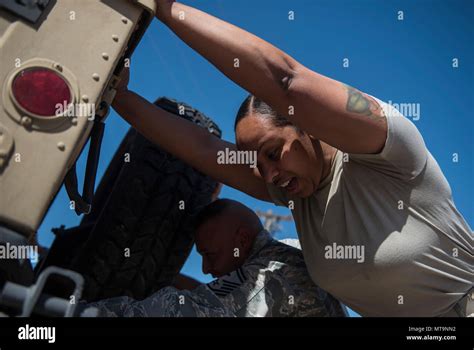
(405, 61)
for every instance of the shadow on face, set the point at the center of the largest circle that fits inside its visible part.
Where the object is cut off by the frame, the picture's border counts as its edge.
(286, 157)
(225, 236)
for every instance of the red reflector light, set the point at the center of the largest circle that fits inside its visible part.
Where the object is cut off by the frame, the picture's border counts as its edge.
(39, 90)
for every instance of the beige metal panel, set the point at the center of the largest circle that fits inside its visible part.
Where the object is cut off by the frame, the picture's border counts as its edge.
(86, 38)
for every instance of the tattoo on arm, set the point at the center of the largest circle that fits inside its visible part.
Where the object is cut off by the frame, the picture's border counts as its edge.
(360, 103)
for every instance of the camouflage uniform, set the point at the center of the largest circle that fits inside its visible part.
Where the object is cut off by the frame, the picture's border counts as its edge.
(272, 282)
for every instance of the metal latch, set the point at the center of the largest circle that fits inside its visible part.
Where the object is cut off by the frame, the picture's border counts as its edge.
(6, 145)
(83, 203)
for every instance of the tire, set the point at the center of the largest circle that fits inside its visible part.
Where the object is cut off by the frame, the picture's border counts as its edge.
(141, 235)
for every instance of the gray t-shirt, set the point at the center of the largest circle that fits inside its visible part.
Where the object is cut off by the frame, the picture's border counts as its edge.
(382, 233)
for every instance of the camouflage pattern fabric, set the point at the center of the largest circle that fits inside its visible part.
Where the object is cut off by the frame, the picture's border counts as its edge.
(272, 282)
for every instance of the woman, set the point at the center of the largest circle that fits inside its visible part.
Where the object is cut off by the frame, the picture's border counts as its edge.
(373, 211)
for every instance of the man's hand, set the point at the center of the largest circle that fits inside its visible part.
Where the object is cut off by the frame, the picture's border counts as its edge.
(163, 8)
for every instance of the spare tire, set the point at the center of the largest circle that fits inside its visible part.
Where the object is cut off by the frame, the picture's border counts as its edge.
(142, 217)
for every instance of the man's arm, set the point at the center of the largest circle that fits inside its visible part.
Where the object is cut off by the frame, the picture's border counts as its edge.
(328, 110)
(118, 307)
(167, 302)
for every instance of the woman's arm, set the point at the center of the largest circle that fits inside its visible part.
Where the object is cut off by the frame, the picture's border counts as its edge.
(328, 110)
(187, 141)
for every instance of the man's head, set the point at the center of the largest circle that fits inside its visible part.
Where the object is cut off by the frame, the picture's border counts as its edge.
(225, 231)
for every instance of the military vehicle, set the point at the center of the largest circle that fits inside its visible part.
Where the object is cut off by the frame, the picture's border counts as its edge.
(60, 62)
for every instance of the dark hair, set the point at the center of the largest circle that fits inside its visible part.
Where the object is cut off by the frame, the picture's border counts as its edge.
(254, 105)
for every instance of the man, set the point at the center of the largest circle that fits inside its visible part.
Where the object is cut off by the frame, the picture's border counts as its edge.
(256, 275)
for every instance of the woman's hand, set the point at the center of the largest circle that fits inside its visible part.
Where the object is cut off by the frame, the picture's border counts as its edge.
(121, 87)
(124, 79)
(163, 8)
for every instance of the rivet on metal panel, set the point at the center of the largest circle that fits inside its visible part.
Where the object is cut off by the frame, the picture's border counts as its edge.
(61, 146)
(85, 98)
(124, 20)
(105, 56)
(26, 121)
(115, 38)
(96, 77)
(58, 67)
(74, 121)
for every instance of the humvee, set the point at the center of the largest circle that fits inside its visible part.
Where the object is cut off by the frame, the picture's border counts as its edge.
(60, 63)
